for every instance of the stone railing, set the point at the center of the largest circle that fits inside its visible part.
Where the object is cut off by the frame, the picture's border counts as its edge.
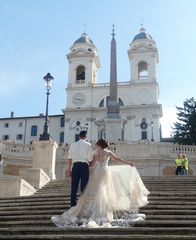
(139, 150)
(15, 150)
(144, 154)
(153, 150)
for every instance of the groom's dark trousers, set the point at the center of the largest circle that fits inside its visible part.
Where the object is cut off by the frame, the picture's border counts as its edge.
(80, 174)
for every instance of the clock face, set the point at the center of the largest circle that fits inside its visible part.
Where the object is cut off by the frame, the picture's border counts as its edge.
(78, 98)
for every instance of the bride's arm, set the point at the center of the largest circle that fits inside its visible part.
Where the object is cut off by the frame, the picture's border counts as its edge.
(117, 159)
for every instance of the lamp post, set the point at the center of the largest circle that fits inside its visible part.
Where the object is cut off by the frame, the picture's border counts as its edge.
(48, 83)
(86, 127)
(152, 125)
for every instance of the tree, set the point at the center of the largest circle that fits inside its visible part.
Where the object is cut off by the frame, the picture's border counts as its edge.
(185, 127)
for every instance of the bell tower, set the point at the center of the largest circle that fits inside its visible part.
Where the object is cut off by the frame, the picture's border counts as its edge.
(83, 62)
(143, 57)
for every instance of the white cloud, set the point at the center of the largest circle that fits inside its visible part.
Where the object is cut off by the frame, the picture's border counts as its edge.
(169, 117)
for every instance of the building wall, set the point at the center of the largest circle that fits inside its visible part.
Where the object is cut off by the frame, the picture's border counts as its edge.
(22, 126)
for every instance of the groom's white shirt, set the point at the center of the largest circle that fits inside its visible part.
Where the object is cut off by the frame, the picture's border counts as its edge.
(80, 151)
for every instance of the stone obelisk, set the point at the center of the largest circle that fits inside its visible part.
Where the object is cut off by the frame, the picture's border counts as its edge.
(113, 104)
(113, 121)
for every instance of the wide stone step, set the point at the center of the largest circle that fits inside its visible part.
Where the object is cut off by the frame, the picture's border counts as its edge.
(167, 188)
(25, 208)
(48, 217)
(33, 199)
(36, 203)
(103, 236)
(168, 211)
(155, 212)
(146, 223)
(66, 203)
(166, 223)
(109, 236)
(173, 193)
(168, 202)
(153, 193)
(171, 198)
(32, 212)
(167, 206)
(35, 196)
(78, 231)
(171, 217)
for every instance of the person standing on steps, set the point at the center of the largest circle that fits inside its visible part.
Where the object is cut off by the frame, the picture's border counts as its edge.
(80, 154)
(178, 163)
(185, 163)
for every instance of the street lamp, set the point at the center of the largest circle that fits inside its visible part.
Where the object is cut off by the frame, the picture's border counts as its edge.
(86, 127)
(152, 125)
(48, 83)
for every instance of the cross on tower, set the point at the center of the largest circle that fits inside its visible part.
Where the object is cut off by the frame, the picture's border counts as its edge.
(113, 33)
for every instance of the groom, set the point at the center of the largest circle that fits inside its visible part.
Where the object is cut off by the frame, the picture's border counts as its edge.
(80, 154)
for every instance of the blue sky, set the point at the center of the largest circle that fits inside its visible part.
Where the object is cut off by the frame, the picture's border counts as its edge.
(35, 36)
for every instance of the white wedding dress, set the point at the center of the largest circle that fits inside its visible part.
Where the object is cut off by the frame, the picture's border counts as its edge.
(111, 198)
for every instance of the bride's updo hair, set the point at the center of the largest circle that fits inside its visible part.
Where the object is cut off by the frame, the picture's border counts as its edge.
(102, 143)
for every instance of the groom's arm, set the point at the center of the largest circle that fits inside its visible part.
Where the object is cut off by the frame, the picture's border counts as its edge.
(69, 164)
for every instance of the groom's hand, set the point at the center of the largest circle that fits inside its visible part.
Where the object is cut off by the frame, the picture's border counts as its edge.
(69, 173)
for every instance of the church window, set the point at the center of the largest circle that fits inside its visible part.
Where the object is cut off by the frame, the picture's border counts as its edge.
(80, 74)
(121, 103)
(5, 137)
(62, 137)
(101, 104)
(107, 100)
(19, 137)
(144, 135)
(78, 123)
(142, 70)
(34, 131)
(90, 50)
(62, 122)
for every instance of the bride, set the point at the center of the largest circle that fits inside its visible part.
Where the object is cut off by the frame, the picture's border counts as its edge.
(112, 196)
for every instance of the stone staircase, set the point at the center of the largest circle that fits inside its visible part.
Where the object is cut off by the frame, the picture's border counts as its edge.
(171, 213)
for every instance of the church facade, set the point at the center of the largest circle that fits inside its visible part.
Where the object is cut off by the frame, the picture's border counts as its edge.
(133, 114)
(88, 100)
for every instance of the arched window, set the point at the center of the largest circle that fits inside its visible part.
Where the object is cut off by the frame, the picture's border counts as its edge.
(34, 131)
(63, 122)
(101, 104)
(80, 74)
(142, 70)
(120, 101)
